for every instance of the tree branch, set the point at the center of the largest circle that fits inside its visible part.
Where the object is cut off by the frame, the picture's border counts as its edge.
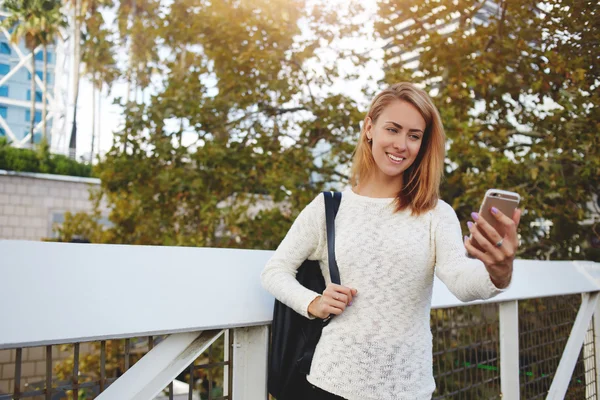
(500, 26)
(273, 111)
(306, 80)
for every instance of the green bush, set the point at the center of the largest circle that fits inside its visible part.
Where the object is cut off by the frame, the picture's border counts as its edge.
(40, 160)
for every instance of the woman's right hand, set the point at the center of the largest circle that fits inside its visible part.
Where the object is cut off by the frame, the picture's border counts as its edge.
(334, 300)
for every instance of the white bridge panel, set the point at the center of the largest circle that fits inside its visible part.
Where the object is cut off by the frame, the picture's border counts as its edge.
(66, 292)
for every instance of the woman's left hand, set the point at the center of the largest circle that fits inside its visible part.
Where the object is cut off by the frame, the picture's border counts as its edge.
(498, 252)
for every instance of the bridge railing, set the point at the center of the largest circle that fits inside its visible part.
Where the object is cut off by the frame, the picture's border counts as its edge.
(145, 322)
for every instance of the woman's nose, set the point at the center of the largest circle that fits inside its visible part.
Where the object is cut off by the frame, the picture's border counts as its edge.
(400, 142)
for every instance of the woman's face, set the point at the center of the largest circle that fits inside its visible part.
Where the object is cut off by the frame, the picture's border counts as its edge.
(397, 136)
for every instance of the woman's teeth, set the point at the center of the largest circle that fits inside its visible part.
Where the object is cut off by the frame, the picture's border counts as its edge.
(395, 159)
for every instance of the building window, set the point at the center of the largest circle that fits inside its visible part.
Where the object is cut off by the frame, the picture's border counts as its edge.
(5, 48)
(4, 68)
(4, 91)
(2, 132)
(3, 111)
(38, 116)
(39, 56)
(40, 75)
(38, 95)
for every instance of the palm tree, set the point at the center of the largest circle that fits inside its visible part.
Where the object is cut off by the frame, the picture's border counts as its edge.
(52, 21)
(25, 17)
(98, 56)
(80, 9)
(76, 4)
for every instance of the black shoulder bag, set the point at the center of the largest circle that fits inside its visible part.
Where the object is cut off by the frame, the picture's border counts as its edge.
(294, 337)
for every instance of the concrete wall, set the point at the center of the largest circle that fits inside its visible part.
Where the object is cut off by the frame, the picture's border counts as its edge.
(30, 204)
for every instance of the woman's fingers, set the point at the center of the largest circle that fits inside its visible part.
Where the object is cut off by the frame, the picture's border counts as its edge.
(339, 296)
(341, 293)
(334, 310)
(491, 237)
(489, 248)
(335, 299)
(510, 224)
(336, 304)
(475, 252)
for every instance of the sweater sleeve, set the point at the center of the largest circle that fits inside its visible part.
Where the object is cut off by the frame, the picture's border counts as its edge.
(305, 240)
(466, 278)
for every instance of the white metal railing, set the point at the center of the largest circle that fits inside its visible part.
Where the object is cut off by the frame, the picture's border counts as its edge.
(119, 291)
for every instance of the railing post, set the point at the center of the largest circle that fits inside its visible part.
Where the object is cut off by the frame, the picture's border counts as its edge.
(509, 350)
(227, 358)
(250, 350)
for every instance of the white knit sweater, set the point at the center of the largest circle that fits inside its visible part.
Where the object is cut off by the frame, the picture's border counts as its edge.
(380, 348)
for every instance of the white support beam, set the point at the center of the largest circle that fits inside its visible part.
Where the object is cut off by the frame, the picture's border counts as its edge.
(37, 128)
(23, 63)
(7, 129)
(250, 351)
(20, 103)
(509, 350)
(565, 369)
(226, 357)
(153, 372)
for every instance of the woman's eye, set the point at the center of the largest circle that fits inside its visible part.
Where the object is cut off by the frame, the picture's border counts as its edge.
(415, 137)
(392, 130)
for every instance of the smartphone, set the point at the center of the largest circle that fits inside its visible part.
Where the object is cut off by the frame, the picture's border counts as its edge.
(504, 201)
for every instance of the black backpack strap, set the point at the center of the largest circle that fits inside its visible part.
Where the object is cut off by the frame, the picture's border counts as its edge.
(332, 205)
(337, 198)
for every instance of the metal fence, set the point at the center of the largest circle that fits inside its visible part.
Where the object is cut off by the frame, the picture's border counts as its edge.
(466, 350)
(93, 366)
(465, 354)
(544, 326)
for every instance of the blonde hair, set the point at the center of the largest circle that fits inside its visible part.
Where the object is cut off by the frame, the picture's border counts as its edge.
(421, 181)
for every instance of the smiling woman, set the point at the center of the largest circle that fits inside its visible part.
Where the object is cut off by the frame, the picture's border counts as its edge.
(392, 235)
(404, 138)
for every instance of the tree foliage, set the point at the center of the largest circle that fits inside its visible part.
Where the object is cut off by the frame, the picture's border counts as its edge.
(519, 99)
(40, 160)
(237, 106)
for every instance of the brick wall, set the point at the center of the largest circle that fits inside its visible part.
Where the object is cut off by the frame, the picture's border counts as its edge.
(31, 203)
(33, 366)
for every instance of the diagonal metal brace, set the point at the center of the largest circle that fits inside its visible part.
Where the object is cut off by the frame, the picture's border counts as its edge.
(153, 372)
(565, 369)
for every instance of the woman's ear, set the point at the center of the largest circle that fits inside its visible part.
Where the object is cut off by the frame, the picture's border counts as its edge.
(368, 128)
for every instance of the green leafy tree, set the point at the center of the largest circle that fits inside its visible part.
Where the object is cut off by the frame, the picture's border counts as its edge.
(139, 23)
(519, 99)
(223, 154)
(517, 90)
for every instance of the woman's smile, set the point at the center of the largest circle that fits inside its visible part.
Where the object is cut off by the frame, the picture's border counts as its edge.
(395, 159)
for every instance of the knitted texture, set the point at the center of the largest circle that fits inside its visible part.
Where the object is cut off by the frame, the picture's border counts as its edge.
(380, 348)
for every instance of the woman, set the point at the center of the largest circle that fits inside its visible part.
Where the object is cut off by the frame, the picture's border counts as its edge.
(392, 234)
